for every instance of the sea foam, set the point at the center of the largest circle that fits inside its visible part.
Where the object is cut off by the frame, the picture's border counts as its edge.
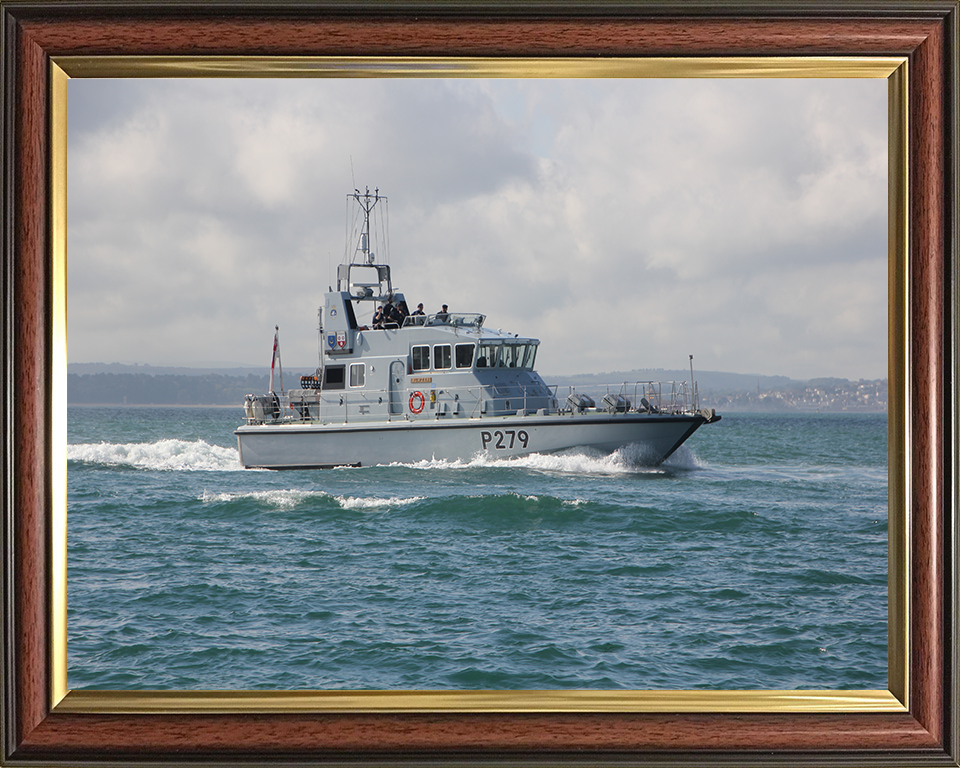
(290, 498)
(350, 502)
(178, 455)
(630, 459)
(281, 499)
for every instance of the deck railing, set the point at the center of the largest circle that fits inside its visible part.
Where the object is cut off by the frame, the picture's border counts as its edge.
(672, 397)
(679, 398)
(350, 405)
(478, 401)
(457, 319)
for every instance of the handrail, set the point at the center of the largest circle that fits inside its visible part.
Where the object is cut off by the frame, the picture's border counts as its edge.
(647, 396)
(354, 404)
(455, 319)
(479, 401)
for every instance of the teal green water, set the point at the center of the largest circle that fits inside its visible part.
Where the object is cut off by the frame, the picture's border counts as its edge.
(756, 558)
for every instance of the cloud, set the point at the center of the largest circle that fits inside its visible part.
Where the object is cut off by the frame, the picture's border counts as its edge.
(625, 223)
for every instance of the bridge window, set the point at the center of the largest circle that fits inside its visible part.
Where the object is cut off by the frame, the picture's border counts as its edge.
(530, 356)
(512, 356)
(464, 353)
(488, 355)
(441, 356)
(421, 358)
(518, 356)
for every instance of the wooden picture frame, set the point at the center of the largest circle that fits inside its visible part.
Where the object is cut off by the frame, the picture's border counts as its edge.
(917, 721)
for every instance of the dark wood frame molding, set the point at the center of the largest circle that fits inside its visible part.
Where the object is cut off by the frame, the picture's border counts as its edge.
(34, 733)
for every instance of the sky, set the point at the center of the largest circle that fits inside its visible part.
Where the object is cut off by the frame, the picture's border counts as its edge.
(626, 223)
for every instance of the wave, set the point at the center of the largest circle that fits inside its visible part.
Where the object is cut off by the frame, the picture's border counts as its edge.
(349, 502)
(684, 459)
(281, 499)
(168, 455)
(291, 498)
(199, 455)
(631, 459)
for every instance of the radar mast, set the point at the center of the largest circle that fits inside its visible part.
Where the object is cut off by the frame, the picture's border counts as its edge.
(372, 279)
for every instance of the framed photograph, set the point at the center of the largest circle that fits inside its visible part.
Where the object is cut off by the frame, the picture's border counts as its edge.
(46, 44)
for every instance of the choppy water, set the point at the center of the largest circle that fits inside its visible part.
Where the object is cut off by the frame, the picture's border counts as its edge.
(756, 558)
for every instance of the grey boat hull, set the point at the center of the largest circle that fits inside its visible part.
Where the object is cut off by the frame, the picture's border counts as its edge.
(315, 446)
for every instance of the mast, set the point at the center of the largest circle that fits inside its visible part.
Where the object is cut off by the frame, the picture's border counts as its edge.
(367, 202)
(276, 359)
(693, 398)
(375, 272)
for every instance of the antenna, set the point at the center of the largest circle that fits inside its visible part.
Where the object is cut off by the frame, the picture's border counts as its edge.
(320, 342)
(367, 203)
(692, 403)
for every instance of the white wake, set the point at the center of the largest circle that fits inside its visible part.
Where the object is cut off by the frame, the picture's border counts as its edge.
(176, 455)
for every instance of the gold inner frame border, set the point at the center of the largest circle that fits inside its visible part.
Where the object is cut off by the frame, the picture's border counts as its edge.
(895, 699)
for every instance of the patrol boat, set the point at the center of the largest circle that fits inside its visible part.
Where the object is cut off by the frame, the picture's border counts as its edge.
(409, 387)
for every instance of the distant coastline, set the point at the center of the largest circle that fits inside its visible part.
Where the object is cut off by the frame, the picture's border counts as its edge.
(181, 389)
(119, 384)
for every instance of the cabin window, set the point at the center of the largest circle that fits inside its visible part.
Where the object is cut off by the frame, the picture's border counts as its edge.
(464, 353)
(357, 374)
(421, 358)
(530, 356)
(441, 357)
(512, 356)
(488, 355)
(333, 377)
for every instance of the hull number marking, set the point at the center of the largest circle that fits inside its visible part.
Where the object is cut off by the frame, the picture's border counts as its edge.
(504, 439)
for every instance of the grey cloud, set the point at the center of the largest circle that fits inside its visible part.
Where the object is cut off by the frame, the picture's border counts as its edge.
(552, 206)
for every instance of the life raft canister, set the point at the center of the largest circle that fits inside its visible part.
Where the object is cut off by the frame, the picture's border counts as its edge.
(419, 399)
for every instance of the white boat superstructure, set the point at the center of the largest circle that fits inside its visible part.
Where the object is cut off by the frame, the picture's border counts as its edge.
(408, 386)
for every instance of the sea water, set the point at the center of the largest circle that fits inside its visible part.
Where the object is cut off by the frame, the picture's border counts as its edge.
(754, 558)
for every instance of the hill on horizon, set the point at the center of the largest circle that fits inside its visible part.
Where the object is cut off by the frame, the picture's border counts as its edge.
(121, 384)
(721, 381)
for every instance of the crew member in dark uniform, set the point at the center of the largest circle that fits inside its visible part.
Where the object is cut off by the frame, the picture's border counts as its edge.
(391, 314)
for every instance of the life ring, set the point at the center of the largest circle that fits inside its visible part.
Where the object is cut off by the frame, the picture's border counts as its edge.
(418, 396)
